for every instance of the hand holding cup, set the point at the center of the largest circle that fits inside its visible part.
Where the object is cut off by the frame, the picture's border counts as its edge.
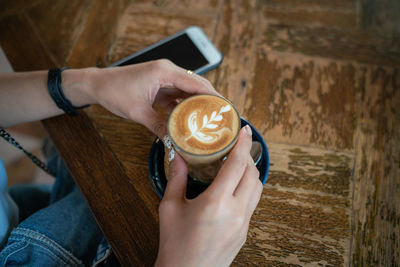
(210, 229)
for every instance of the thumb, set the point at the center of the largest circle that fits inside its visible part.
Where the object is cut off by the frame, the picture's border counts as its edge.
(177, 181)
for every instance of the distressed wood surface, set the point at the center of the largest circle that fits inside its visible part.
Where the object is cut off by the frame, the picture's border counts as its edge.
(376, 223)
(304, 214)
(319, 79)
(144, 24)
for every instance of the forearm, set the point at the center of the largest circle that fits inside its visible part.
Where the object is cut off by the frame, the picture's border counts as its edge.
(24, 96)
(129, 92)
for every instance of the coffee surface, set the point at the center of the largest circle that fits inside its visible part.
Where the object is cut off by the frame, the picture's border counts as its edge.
(203, 124)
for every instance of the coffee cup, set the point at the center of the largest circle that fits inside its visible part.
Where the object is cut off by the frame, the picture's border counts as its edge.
(203, 129)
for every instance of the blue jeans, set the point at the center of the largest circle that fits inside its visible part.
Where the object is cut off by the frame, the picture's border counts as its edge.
(58, 228)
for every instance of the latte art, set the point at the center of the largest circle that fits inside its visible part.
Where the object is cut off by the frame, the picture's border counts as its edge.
(209, 136)
(203, 124)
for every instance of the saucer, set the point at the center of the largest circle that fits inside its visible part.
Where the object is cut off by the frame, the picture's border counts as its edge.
(194, 187)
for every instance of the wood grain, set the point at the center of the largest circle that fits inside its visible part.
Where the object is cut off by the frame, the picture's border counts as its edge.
(302, 100)
(110, 193)
(10, 8)
(292, 14)
(319, 80)
(235, 38)
(100, 188)
(59, 24)
(360, 46)
(129, 141)
(376, 233)
(332, 30)
(304, 213)
(343, 5)
(97, 34)
(144, 24)
(22, 46)
(380, 16)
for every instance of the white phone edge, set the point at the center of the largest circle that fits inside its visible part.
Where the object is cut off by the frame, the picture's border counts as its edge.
(201, 41)
(206, 47)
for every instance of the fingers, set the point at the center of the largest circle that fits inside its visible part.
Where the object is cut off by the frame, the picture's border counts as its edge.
(249, 190)
(234, 167)
(177, 181)
(249, 183)
(254, 198)
(179, 78)
(173, 83)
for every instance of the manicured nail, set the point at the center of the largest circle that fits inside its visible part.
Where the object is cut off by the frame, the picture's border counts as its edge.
(247, 130)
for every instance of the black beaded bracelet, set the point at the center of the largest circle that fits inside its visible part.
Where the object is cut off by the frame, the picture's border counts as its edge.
(57, 94)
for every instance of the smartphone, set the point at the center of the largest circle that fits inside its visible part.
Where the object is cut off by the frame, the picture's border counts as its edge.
(190, 49)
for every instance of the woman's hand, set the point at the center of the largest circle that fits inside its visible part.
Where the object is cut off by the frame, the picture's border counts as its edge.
(129, 92)
(210, 229)
(132, 91)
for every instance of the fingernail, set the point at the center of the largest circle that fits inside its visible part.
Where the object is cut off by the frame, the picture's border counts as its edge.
(247, 130)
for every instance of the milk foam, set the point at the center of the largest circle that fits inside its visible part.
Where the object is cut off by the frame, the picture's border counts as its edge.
(203, 124)
(209, 136)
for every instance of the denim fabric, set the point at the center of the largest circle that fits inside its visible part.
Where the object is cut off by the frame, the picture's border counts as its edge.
(30, 248)
(62, 234)
(24, 194)
(105, 256)
(9, 213)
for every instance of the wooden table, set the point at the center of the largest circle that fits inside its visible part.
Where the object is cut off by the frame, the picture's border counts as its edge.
(319, 79)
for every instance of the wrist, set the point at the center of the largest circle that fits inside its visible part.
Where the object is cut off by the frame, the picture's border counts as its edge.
(77, 85)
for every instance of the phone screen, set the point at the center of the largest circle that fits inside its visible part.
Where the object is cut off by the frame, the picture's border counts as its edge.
(179, 50)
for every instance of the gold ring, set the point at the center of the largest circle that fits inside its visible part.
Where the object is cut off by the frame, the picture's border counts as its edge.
(189, 72)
